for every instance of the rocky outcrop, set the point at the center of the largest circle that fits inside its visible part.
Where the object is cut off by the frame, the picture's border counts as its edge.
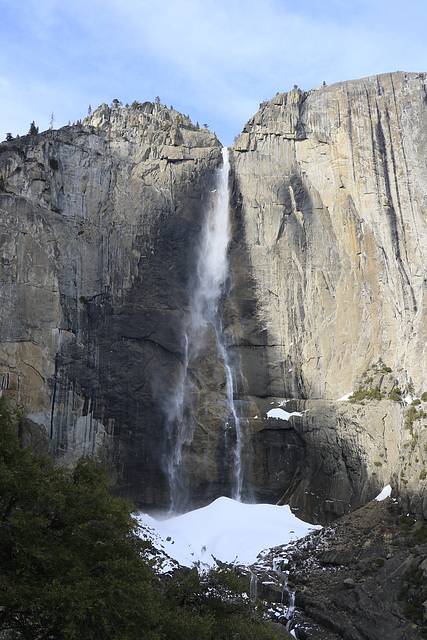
(363, 578)
(330, 192)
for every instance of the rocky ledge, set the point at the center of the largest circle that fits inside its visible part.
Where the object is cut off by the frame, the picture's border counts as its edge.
(362, 578)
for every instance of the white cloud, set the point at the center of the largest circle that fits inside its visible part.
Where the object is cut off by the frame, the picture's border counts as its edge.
(215, 60)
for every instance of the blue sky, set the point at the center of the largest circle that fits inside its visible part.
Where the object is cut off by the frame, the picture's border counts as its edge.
(214, 60)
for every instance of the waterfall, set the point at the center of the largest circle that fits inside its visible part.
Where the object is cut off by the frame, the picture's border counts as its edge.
(207, 287)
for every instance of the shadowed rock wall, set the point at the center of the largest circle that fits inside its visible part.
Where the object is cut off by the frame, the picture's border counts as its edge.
(99, 227)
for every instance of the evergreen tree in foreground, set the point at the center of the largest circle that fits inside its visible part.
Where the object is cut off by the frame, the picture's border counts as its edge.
(73, 568)
(71, 565)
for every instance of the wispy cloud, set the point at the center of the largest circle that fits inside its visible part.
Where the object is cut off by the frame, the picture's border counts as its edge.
(215, 60)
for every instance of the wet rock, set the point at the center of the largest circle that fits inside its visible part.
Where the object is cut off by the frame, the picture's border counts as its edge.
(381, 597)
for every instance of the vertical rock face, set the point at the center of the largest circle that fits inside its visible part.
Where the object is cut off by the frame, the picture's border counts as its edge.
(99, 230)
(99, 224)
(330, 194)
(331, 186)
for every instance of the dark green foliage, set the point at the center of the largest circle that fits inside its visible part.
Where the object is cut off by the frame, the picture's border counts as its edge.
(2, 184)
(420, 534)
(424, 396)
(363, 393)
(73, 567)
(54, 164)
(218, 603)
(407, 521)
(9, 137)
(396, 395)
(33, 129)
(412, 415)
(413, 592)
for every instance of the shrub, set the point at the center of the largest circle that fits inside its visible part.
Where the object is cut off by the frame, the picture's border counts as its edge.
(420, 534)
(396, 395)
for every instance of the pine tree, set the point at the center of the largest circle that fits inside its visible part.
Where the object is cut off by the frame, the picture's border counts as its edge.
(33, 129)
(71, 565)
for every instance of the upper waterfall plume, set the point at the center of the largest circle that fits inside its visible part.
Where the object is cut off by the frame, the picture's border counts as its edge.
(207, 287)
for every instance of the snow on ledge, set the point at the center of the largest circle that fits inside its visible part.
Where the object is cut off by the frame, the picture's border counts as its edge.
(281, 414)
(346, 397)
(385, 493)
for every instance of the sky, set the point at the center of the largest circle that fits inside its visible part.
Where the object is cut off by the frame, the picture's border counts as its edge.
(214, 60)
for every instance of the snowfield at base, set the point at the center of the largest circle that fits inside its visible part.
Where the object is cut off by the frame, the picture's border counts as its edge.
(227, 530)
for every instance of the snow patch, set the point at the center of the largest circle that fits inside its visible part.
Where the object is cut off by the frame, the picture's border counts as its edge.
(346, 397)
(281, 414)
(385, 493)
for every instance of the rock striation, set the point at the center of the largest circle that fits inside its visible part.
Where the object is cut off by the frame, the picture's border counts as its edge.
(330, 193)
(331, 188)
(99, 232)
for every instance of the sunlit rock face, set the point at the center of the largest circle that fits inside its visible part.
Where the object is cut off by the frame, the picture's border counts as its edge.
(330, 194)
(100, 228)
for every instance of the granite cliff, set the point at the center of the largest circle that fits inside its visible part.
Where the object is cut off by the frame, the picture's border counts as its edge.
(99, 230)
(331, 253)
(99, 225)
